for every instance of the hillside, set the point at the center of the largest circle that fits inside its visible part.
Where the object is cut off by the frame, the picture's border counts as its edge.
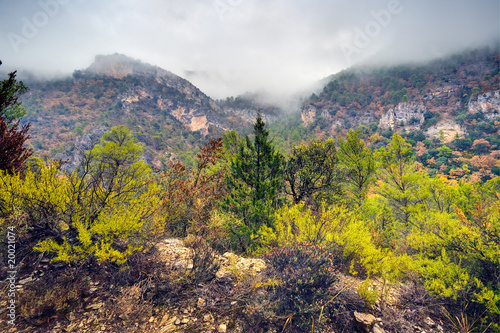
(167, 113)
(370, 231)
(452, 103)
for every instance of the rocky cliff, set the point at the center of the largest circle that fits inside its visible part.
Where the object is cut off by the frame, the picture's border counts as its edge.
(444, 99)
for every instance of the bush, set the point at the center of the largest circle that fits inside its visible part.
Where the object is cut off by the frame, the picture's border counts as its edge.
(305, 275)
(102, 211)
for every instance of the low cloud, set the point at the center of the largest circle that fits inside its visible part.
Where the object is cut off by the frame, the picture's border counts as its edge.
(228, 47)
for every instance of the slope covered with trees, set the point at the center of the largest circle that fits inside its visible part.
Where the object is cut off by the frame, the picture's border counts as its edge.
(341, 222)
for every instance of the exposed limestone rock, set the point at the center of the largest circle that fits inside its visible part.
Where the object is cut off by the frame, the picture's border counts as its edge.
(365, 320)
(488, 103)
(308, 114)
(446, 130)
(378, 329)
(443, 92)
(82, 143)
(199, 124)
(409, 115)
(232, 265)
(174, 254)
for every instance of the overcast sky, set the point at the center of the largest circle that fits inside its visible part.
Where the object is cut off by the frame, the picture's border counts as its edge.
(227, 47)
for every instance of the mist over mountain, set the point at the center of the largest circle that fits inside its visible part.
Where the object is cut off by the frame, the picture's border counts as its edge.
(242, 46)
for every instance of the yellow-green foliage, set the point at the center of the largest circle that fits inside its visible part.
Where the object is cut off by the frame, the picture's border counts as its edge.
(451, 251)
(104, 210)
(338, 229)
(368, 293)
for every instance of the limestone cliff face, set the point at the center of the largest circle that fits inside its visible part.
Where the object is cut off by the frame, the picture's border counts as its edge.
(446, 130)
(184, 101)
(488, 103)
(308, 114)
(406, 115)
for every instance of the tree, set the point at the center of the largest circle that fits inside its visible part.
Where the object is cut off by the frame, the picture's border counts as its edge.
(103, 210)
(255, 181)
(358, 163)
(399, 178)
(10, 90)
(312, 171)
(13, 153)
(191, 196)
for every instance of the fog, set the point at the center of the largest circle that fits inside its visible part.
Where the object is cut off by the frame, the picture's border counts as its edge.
(229, 47)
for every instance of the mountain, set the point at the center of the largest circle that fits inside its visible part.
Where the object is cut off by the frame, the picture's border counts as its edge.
(448, 109)
(166, 112)
(410, 97)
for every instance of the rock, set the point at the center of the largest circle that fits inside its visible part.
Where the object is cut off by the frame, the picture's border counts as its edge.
(440, 328)
(231, 263)
(71, 316)
(151, 319)
(95, 306)
(185, 320)
(488, 103)
(222, 328)
(164, 319)
(177, 321)
(429, 321)
(378, 329)
(308, 115)
(174, 254)
(446, 130)
(201, 303)
(407, 115)
(208, 318)
(365, 320)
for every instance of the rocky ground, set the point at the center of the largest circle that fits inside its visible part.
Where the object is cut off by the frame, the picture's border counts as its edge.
(215, 304)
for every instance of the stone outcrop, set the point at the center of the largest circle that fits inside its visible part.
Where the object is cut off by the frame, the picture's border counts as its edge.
(488, 103)
(308, 114)
(446, 130)
(174, 253)
(407, 115)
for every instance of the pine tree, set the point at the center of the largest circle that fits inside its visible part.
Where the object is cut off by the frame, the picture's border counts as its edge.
(10, 90)
(255, 181)
(359, 165)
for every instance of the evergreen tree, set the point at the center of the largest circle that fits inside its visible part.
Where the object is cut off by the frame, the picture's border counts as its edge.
(400, 181)
(255, 181)
(10, 90)
(359, 165)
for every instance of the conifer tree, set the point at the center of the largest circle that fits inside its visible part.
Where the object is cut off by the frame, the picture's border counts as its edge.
(10, 90)
(255, 181)
(359, 165)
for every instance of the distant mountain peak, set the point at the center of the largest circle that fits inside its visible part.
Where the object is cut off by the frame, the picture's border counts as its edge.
(120, 65)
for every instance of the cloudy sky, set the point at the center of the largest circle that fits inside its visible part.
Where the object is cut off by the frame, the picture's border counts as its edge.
(228, 47)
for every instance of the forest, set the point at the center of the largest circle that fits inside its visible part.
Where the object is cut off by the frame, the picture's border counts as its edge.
(328, 206)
